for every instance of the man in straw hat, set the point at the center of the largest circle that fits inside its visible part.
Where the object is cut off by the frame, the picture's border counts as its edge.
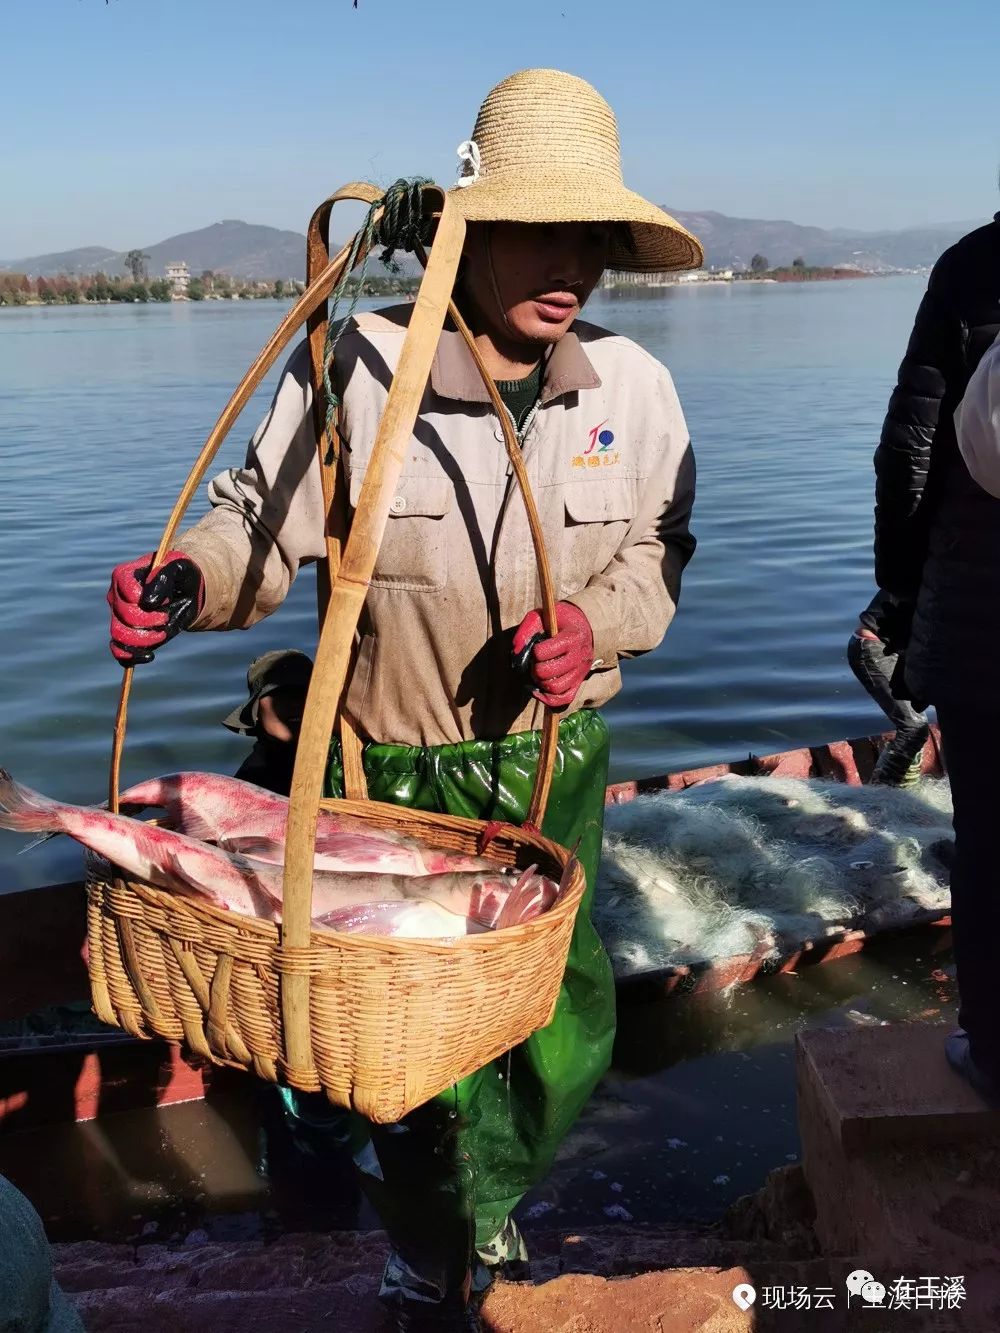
(452, 671)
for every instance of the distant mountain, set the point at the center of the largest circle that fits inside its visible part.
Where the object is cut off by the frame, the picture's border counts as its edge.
(240, 249)
(732, 242)
(915, 247)
(91, 259)
(244, 250)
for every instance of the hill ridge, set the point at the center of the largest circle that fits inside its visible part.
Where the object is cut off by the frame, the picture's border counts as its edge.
(255, 250)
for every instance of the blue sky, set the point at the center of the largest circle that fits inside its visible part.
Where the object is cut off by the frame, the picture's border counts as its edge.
(131, 121)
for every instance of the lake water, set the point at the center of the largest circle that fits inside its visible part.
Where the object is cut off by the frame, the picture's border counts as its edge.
(784, 387)
(103, 410)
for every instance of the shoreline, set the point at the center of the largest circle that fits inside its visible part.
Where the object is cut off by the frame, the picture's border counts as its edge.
(834, 275)
(774, 278)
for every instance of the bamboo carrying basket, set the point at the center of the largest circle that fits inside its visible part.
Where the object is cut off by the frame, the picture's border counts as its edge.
(381, 1025)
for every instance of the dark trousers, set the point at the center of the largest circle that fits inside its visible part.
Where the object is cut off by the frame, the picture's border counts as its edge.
(971, 737)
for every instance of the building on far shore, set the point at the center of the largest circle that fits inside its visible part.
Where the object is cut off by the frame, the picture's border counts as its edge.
(613, 279)
(178, 275)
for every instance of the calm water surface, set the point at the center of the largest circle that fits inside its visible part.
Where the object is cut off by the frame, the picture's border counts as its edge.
(101, 414)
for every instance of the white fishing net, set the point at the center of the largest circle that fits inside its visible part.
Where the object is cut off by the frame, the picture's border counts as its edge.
(739, 864)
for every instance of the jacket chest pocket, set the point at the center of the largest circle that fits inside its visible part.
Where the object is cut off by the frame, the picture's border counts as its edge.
(413, 556)
(597, 518)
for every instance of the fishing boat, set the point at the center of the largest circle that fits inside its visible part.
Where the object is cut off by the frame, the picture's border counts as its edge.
(51, 1073)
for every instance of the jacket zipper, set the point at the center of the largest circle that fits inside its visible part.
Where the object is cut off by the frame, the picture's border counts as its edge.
(529, 421)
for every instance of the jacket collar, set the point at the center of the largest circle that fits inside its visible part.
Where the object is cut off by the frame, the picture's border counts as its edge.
(454, 374)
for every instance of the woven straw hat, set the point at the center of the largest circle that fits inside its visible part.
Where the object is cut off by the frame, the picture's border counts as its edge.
(546, 149)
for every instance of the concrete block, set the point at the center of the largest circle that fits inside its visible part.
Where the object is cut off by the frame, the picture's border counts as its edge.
(890, 1085)
(902, 1160)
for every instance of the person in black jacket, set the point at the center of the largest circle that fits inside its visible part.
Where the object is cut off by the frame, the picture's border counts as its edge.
(937, 558)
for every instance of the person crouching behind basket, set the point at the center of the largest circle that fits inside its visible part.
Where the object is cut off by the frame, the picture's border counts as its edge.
(450, 718)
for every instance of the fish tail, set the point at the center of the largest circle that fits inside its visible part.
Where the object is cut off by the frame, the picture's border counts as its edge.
(25, 811)
(49, 834)
(518, 900)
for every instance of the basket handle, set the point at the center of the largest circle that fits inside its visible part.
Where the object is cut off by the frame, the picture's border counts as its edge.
(336, 638)
(328, 440)
(311, 299)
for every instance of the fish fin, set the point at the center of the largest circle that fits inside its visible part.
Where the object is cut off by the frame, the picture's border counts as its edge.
(360, 918)
(332, 851)
(37, 842)
(258, 849)
(534, 894)
(25, 811)
(362, 850)
(195, 827)
(175, 866)
(188, 884)
(260, 877)
(525, 876)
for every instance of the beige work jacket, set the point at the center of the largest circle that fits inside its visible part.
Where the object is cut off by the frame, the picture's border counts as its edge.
(610, 463)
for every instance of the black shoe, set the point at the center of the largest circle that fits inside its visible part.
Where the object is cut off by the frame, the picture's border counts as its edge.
(959, 1054)
(512, 1270)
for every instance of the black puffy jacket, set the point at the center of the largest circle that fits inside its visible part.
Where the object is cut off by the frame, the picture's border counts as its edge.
(937, 534)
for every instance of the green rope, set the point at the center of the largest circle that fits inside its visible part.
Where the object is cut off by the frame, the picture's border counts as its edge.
(402, 226)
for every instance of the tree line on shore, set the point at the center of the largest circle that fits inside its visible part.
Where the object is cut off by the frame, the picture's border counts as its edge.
(20, 289)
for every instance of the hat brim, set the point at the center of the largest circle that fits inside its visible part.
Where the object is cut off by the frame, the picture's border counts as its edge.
(662, 244)
(243, 720)
(282, 668)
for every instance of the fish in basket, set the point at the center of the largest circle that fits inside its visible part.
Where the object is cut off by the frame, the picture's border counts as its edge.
(223, 842)
(409, 989)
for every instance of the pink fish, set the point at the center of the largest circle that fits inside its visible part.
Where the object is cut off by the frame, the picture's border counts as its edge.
(166, 859)
(413, 921)
(247, 884)
(518, 902)
(246, 818)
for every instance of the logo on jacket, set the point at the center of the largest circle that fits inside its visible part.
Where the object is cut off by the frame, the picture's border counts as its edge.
(598, 452)
(600, 439)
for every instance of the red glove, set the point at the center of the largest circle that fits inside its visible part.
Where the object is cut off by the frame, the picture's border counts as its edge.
(148, 608)
(558, 665)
